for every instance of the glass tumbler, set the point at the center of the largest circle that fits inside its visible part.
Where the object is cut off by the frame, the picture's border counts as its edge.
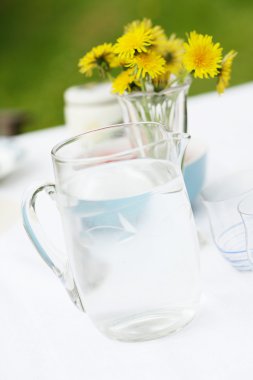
(227, 225)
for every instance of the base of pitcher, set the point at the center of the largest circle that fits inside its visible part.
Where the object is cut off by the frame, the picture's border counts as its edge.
(148, 326)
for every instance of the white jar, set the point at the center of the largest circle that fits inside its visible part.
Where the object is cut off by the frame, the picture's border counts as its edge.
(90, 107)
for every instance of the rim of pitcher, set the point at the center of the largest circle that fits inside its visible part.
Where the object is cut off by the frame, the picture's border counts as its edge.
(70, 140)
(186, 84)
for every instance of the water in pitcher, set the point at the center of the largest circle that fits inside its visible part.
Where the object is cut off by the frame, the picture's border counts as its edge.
(132, 246)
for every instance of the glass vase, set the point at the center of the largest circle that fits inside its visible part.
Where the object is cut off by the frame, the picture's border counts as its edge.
(168, 107)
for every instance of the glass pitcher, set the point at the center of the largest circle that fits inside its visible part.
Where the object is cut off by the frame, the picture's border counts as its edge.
(132, 258)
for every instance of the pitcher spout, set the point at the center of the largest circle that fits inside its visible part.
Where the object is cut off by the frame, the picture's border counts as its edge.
(177, 143)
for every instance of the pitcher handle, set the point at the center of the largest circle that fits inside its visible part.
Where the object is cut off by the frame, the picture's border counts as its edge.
(47, 252)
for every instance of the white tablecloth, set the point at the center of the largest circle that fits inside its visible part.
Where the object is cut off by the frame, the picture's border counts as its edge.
(42, 335)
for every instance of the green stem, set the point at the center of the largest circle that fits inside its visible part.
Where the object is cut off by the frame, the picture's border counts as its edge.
(109, 76)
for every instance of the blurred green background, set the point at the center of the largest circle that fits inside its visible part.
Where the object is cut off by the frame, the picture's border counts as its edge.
(41, 42)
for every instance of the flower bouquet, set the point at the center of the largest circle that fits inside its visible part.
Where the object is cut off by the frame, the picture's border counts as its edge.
(152, 71)
(150, 61)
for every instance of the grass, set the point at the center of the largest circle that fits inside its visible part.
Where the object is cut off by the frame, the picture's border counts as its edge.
(41, 42)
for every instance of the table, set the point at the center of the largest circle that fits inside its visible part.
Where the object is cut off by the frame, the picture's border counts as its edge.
(42, 335)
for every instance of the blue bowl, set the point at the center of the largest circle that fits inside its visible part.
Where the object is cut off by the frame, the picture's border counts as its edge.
(195, 168)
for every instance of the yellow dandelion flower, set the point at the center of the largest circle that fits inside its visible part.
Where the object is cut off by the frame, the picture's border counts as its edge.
(225, 71)
(172, 49)
(158, 36)
(151, 64)
(123, 81)
(137, 40)
(157, 33)
(145, 23)
(202, 56)
(100, 56)
(118, 62)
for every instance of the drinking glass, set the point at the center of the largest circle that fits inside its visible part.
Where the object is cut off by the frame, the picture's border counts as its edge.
(227, 226)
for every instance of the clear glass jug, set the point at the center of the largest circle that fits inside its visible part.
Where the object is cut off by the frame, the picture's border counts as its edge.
(168, 107)
(227, 220)
(132, 258)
